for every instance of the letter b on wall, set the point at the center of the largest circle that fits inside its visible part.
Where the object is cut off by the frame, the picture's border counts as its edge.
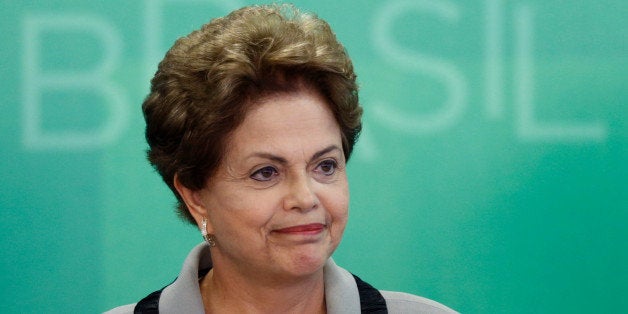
(94, 79)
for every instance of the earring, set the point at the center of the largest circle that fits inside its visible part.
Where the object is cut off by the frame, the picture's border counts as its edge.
(210, 238)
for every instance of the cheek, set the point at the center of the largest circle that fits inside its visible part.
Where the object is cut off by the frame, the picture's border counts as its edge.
(339, 211)
(338, 204)
(243, 211)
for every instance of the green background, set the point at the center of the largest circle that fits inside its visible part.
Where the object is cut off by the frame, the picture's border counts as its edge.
(490, 176)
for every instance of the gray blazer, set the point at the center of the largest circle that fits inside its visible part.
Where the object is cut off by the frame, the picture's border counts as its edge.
(341, 291)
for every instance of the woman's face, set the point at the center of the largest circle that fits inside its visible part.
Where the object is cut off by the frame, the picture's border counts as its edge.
(278, 204)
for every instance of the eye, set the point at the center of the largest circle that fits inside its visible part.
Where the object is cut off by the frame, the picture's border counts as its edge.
(327, 167)
(264, 174)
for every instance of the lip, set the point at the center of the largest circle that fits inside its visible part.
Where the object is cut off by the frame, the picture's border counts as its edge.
(313, 228)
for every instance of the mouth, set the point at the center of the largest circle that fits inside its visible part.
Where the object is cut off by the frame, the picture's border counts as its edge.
(307, 229)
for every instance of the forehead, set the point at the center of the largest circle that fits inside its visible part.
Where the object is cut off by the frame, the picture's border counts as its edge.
(295, 118)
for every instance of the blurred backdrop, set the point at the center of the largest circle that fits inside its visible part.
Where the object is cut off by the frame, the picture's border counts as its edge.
(490, 176)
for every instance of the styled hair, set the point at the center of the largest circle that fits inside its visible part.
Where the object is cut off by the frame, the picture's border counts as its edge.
(209, 79)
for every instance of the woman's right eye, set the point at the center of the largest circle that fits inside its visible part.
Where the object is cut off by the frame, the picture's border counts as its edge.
(265, 174)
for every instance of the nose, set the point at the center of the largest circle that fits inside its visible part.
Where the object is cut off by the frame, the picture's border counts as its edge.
(300, 195)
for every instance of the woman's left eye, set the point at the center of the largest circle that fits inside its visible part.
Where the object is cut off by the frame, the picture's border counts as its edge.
(327, 167)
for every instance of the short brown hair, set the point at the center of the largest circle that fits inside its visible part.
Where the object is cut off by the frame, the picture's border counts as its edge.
(207, 80)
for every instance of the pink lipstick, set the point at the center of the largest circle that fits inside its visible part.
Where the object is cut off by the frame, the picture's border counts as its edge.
(303, 229)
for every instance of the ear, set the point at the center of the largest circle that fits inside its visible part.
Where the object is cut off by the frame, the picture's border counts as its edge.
(193, 202)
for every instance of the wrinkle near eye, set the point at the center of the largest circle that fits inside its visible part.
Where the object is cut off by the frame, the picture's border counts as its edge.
(232, 174)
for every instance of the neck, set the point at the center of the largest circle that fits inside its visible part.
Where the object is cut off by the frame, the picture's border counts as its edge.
(226, 292)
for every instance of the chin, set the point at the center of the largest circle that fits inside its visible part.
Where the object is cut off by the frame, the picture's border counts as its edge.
(304, 264)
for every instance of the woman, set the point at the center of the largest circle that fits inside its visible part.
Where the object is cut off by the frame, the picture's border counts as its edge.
(250, 121)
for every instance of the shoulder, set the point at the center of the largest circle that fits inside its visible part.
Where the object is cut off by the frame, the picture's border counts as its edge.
(400, 302)
(124, 309)
(183, 292)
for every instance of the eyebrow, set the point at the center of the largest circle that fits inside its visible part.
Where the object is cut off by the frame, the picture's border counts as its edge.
(282, 160)
(324, 151)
